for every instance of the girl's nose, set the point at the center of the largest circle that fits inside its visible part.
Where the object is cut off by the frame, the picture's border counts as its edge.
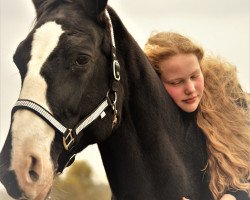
(189, 87)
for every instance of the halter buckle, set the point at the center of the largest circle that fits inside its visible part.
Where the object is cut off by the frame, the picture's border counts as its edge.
(116, 70)
(69, 139)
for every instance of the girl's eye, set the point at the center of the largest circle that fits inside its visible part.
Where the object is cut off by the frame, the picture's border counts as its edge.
(175, 83)
(82, 60)
(195, 76)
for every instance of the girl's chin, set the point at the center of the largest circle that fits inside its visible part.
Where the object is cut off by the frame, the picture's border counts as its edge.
(189, 108)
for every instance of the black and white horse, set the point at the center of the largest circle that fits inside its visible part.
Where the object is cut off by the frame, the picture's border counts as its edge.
(84, 81)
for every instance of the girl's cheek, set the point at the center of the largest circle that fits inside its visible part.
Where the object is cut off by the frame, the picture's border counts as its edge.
(201, 84)
(174, 92)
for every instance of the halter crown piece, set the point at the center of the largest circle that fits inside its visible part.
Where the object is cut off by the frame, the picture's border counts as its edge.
(71, 137)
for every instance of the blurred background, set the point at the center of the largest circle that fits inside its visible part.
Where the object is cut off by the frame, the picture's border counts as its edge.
(221, 27)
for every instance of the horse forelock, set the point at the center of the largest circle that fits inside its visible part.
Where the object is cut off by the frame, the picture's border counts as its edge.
(46, 6)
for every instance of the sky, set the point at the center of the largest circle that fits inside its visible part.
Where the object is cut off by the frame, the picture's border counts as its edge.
(221, 27)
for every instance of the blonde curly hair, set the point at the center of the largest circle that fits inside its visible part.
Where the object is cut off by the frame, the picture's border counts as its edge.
(223, 113)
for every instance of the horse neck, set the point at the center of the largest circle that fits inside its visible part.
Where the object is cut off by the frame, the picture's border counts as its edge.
(148, 116)
(144, 92)
(137, 75)
(147, 102)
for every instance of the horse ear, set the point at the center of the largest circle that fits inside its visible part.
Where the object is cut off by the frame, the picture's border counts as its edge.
(94, 7)
(37, 3)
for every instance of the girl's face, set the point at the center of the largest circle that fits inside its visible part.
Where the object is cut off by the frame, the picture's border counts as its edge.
(182, 78)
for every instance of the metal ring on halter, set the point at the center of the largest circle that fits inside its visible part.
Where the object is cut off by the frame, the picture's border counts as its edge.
(112, 103)
(116, 70)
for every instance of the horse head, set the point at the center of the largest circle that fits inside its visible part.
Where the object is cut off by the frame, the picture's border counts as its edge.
(68, 94)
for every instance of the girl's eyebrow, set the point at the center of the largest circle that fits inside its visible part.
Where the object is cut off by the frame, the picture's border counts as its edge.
(179, 79)
(195, 72)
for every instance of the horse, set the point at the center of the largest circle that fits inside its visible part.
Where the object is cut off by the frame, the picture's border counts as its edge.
(85, 80)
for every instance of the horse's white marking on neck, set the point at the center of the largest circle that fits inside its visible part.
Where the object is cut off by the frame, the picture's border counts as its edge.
(31, 135)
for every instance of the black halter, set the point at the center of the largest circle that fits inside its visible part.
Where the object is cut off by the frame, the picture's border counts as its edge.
(71, 137)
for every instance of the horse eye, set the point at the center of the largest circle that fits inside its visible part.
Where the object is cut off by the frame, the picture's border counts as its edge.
(82, 60)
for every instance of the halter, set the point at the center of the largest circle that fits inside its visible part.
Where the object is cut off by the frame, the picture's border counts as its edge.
(71, 137)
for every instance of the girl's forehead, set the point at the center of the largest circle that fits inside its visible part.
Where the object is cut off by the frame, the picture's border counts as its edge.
(179, 66)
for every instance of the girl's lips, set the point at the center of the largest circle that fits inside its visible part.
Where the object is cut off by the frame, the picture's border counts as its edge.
(190, 100)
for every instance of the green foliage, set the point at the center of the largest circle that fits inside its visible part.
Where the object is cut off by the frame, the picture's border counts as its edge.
(77, 184)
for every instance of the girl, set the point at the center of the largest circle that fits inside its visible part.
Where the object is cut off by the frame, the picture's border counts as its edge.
(208, 88)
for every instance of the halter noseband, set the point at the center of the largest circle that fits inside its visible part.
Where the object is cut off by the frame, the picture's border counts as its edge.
(71, 137)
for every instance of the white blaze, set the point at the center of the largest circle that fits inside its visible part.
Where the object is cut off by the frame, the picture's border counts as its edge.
(31, 135)
(44, 42)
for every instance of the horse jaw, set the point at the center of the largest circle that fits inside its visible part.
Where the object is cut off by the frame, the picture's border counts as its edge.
(31, 136)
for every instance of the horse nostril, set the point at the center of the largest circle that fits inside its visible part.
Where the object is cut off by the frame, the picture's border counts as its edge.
(33, 175)
(32, 171)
